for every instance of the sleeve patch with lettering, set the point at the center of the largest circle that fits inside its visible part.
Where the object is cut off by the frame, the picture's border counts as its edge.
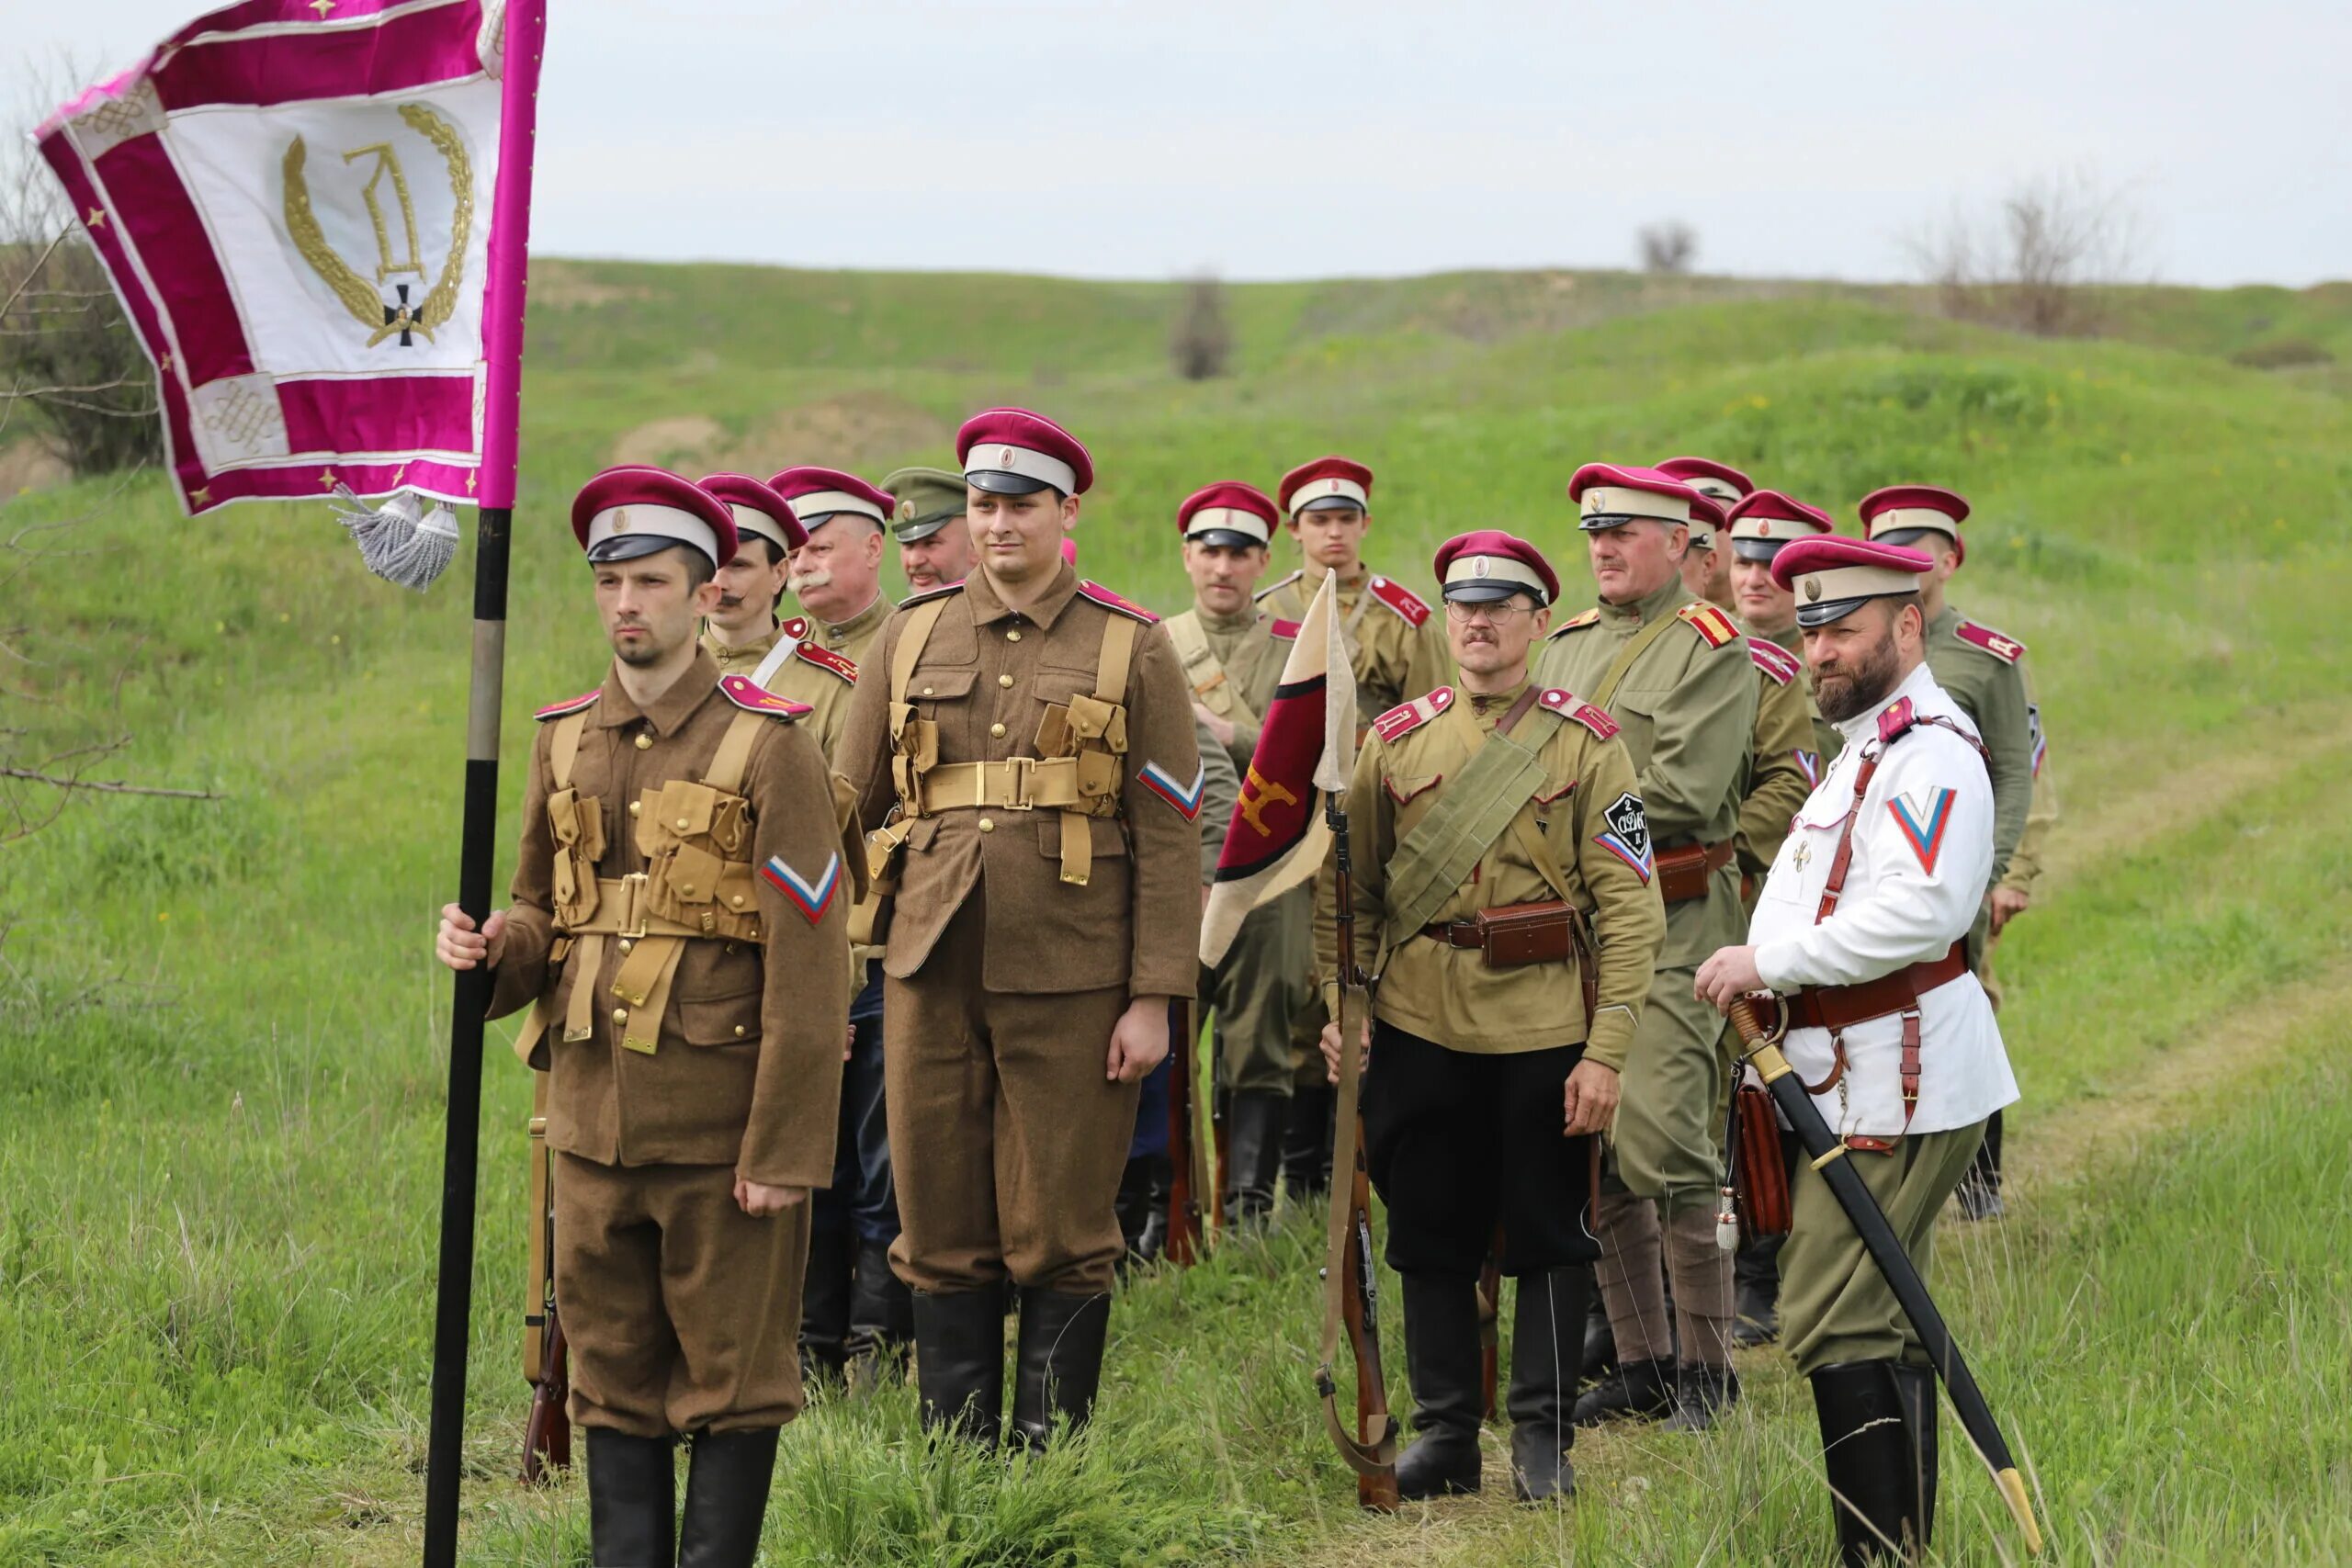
(1627, 835)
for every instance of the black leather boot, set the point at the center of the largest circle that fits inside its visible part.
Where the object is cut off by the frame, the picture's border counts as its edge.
(632, 1500)
(1160, 1174)
(1547, 1332)
(1702, 1393)
(959, 1362)
(1872, 1463)
(881, 1317)
(1636, 1390)
(1599, 1344)
(1254, 1129)
(1132, 1206)
(1307, 1140)
(824, 1304)
(1061, 1365)
(1442, 1360)
(726, 1498)
(1918, 1387)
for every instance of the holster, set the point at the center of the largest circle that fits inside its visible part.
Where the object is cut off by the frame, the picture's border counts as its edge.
(1687, 871)
(1763, 1178)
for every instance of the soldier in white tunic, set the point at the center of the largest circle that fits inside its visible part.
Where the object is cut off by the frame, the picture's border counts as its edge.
(1861, 930)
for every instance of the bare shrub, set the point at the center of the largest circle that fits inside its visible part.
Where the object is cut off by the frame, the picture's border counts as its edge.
(68, 356)
(1667, 248)
(2039, 260)
(1199, 345)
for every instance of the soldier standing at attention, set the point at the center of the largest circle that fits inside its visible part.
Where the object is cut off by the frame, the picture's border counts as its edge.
(1503, 895)
(744, 627)
(1706, 566)
(1233, 654)
(1397, 647)
(1759, 526)
(935, 548)
(1860, 931)
(675, 929)
(1676, 675)
(1028, 741)
(1985, 671)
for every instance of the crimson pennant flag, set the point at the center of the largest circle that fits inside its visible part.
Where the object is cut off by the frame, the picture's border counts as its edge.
(1278, 837)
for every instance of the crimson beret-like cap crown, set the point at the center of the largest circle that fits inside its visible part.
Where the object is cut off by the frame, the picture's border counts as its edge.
(1229, 512)
(1488, 564)
(1831, 575)
(637, 509)
(1609, 493)
(816, 494)
(1898, 507)
(1325, 482)
(1014, 451)
(757, 509)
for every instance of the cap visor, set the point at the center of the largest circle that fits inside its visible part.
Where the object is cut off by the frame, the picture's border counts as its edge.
(911, 532)
(1757, 549)
(1601, 520)
(628, 546)
(1227, 538)
(1911, 537)
(997, 481)
(1488, 592)
(1331, 504)
(1834, 610)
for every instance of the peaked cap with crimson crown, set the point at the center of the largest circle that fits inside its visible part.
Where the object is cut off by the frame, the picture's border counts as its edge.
(757, 510)
(1015, 452)
(1768, 521)
(818, 495)
(1725, 485)
(1488, 565)
(1229, 512)
(1325, 483)
(1832, 577)
(637, 509)
(1904, 515)
(1609, 495)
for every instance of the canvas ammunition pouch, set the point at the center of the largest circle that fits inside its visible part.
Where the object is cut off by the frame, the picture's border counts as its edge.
(1078, 769)
(699, 884)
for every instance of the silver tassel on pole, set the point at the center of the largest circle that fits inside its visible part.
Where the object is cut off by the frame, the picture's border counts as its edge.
(401, 541)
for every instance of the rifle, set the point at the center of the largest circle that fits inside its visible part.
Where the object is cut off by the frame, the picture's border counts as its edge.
(547, 1434)
(1351, 1282)
(1762, 1048)
(1220, 1105)
(1184, 1244)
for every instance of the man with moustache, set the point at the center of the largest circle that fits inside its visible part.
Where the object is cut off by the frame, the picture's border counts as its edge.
(1233, 654)
(1494, 1048)
(742, 627)
(935, 548)
(1028, 744)
(1861, 931)
(674, 930)
(1675, 674)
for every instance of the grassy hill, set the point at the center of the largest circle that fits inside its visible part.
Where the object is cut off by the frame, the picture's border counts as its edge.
(222, 1036)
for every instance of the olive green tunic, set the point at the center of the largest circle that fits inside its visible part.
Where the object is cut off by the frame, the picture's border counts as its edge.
(1393, 658)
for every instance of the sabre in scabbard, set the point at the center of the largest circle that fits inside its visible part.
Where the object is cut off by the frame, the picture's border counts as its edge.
(1762, 1045)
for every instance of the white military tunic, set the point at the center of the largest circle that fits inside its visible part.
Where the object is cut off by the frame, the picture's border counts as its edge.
(1923, 852)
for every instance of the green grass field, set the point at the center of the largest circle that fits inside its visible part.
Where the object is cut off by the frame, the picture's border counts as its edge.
(222, 1039)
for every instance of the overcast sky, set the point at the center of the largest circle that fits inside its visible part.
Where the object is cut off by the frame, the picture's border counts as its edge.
(1144, 137)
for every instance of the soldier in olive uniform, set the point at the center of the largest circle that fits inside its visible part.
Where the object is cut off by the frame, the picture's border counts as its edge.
(1397, 647)
(1985, 671)
(744, 627)
(675, 928)
(1759, 528)
(1676, 674)
(1503, 895)
(1233, 654)
(931, 553)
(1706, 566)
(1027, 740)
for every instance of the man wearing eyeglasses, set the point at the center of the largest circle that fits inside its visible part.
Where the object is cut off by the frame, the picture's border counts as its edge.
(1675, 674)
(1503, 893)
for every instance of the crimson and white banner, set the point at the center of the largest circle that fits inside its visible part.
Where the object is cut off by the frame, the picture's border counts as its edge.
(300, 203)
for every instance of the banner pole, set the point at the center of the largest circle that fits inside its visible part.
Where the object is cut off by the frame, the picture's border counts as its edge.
(526, 33)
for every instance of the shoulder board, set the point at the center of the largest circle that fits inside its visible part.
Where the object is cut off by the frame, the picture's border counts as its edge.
(1567, 705)
(1773, 660)
(568, 704)
(911, 600)
(796, 628)
(1109, 601)
(1405, 718)
(1280, 584)
(1712, 625)
(1896, 720)
(1401, 599)
(2008, 650)
(752, 697)
(1578, 622)
(1286, 630)
(826, 659)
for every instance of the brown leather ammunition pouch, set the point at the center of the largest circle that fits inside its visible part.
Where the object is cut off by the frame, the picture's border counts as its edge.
(1513, 934)
(1688, 871)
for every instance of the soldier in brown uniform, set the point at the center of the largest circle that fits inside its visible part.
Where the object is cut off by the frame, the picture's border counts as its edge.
(1501, 842)
(1759, 528)
(1233, 654)
(1675, 673)
(1027, 740)
(935, 548)
(1397, 647)
(743, 628)
(675, 926)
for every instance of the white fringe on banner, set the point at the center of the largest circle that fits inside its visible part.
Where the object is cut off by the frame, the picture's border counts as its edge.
(401, 541)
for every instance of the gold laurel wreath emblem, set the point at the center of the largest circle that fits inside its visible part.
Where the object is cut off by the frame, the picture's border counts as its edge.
(367, 307)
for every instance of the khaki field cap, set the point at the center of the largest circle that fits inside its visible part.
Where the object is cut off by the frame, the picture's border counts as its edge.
(929, 499)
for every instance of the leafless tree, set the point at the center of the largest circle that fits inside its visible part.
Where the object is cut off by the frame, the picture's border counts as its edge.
(71, 372)
(1199, 345)
(1667, 248)
(2039, 259)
